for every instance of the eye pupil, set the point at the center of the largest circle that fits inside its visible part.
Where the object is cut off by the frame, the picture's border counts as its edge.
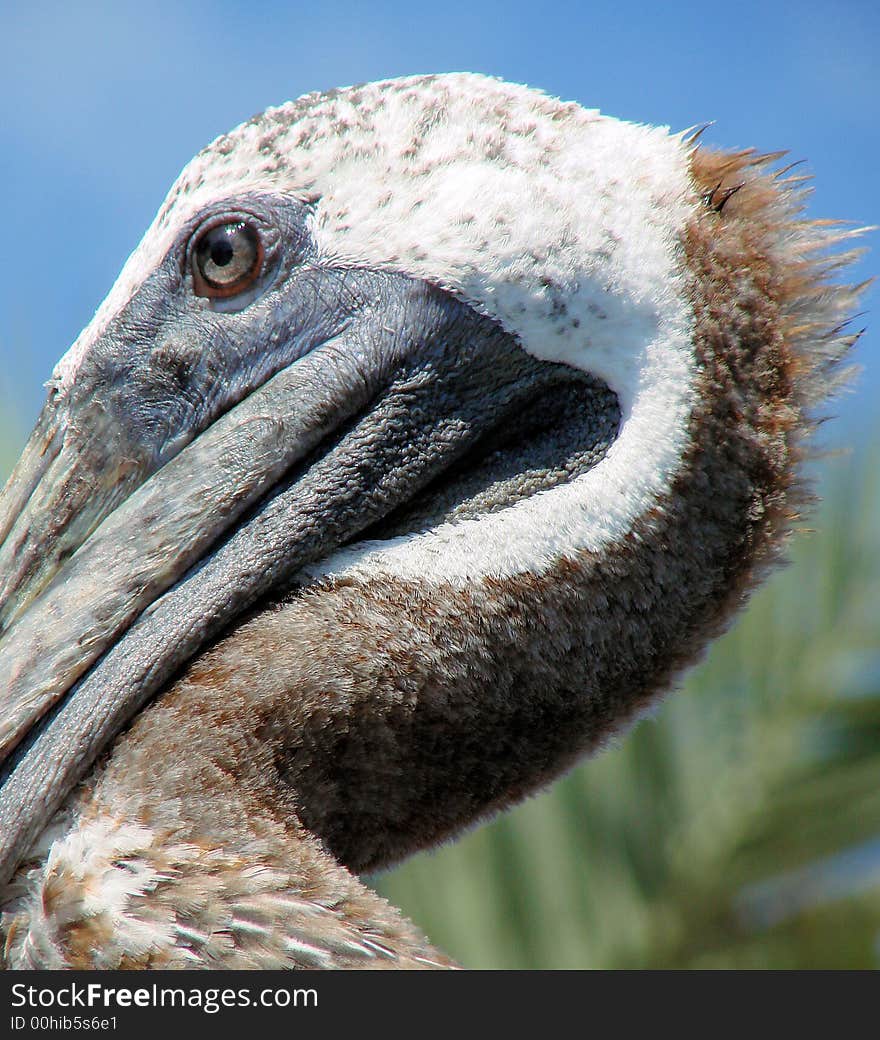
(227, 259)
(222, 252)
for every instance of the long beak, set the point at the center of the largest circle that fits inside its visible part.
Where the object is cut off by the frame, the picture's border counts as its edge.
(142, 547)
(301, 466)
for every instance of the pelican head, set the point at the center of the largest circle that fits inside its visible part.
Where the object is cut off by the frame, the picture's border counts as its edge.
(432, 429)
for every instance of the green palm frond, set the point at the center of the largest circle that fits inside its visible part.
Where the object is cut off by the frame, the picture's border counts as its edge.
(740, 827)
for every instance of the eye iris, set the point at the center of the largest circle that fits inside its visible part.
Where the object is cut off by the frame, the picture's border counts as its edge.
(228, 257)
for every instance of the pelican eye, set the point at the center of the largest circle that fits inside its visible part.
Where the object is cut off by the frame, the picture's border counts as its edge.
(227, 259)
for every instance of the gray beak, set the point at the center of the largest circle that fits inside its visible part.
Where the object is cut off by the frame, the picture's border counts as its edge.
(121, 558)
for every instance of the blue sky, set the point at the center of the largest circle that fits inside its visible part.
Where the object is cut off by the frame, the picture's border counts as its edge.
(102, 104)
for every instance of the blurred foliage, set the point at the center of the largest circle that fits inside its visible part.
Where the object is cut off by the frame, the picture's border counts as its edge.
(739, 827)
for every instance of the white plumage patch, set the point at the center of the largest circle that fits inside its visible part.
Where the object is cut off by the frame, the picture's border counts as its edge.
(561, 224)
(92, 878)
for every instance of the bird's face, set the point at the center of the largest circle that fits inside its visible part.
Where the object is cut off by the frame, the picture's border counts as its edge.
(496, 370)
(440, 329)
(275, 375)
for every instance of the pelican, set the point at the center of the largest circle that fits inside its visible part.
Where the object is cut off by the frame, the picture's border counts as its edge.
(432, 430)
